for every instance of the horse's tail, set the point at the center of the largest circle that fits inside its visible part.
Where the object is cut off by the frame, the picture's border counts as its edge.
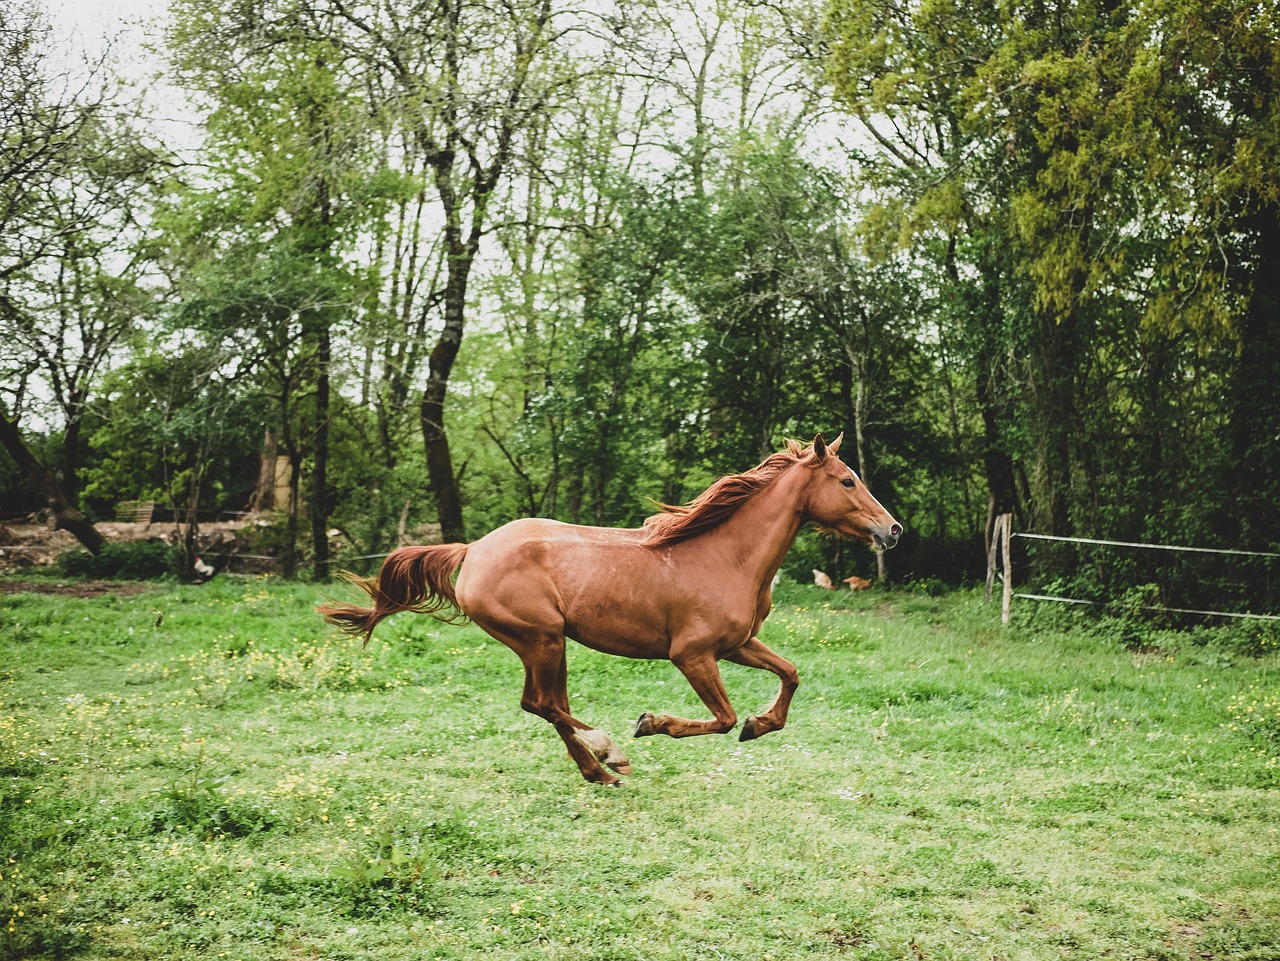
(414, 579)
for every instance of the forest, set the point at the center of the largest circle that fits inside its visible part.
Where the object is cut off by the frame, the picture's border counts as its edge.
(456, 262)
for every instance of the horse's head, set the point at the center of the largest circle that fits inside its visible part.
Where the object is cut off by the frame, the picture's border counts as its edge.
(838, 501)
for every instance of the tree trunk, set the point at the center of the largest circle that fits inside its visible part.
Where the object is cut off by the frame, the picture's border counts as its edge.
(316, 219)
(996, 463)
(440, 474)
(1255, 390)
(264, 492)
(187, 526)
(1054, 390)
(289, 565)
(71, 452)
(65, 516)
(863, 448)
(573, 496)
(600, 476)
(319, 501)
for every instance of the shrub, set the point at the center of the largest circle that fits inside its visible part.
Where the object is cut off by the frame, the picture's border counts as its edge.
(138, 561)
(196, 802)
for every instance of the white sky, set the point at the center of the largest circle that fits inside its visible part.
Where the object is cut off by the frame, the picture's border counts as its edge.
(90, 22)
(101, 11)
(128, 30)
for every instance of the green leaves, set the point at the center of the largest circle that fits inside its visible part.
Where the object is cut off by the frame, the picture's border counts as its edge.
(1090, 182)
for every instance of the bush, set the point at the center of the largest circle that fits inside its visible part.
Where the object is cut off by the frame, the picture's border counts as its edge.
(139, 561)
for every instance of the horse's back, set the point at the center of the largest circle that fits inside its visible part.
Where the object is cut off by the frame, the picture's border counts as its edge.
(539, 556)
(570, 579)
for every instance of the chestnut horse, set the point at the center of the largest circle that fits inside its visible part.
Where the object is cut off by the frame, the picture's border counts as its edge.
(693, 586)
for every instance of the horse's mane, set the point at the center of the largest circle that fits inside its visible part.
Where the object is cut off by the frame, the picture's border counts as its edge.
(714, 505)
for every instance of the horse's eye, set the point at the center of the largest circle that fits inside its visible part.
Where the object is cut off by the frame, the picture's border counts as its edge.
(847, 482)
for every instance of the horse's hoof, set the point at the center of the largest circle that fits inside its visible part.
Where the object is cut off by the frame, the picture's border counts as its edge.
(748, 730)
(623, 768)
(644, 726)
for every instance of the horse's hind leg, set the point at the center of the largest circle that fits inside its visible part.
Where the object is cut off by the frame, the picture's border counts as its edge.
(546, 694)
(755, 654)
(596, 741)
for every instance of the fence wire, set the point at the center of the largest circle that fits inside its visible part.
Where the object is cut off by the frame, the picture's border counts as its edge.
(1194, 582)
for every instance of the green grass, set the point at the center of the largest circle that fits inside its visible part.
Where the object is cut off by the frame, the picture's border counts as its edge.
(207, 772)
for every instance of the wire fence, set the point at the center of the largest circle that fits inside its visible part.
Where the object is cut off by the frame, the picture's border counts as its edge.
(1130, 576)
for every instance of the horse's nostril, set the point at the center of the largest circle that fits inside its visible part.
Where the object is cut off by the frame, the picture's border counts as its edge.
(895, 530)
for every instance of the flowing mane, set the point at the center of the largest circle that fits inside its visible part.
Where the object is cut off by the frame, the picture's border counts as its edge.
(714, 505)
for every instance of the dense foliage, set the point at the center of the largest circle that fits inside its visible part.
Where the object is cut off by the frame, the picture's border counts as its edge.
(464, 263)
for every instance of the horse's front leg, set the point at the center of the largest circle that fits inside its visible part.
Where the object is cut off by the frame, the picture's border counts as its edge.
(703, 674)
(755, 654)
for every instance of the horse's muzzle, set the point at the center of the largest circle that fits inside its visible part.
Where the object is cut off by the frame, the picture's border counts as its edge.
(884, 542)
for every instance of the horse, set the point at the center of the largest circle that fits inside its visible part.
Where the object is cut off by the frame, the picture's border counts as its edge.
(692, 585)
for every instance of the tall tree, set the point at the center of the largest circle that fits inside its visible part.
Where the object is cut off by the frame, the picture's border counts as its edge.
(291, 140)
(468, 78)
(905, 73)
(1219, 69)
(74, 177)
(177, 428)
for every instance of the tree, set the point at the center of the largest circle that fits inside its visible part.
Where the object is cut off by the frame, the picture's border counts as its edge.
(178, 428)
(1220, 81)
(64, 515)
(908, 75)
(74, 179)
(70, 313)
(802, 324)
(467, 78)
(292, 140)
(999, 133)
(1090, 176)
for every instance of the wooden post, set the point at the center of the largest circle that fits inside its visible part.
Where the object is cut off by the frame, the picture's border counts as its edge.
(404, 524)
(992, 546)
(1005, 546)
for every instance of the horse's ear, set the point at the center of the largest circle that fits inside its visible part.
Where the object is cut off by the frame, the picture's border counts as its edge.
(819, 448)
(834, 446)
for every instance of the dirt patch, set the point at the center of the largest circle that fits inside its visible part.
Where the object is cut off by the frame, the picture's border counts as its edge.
(76, 588)
(29, 545)
(236, 546)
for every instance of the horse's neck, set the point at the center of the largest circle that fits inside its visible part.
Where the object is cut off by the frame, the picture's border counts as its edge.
(756, 537)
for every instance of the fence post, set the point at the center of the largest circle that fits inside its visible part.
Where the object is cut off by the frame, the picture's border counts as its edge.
(992, 547)
(1006, 545)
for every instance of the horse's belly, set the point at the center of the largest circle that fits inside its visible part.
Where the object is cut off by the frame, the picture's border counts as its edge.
(655, 649)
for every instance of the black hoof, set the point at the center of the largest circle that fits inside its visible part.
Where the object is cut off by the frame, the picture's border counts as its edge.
(644, 726)
(748, 730)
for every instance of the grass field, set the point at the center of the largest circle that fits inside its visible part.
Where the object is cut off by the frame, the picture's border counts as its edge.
(207, 772)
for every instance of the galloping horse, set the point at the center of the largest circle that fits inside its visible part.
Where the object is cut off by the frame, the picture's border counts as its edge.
(692, 585)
